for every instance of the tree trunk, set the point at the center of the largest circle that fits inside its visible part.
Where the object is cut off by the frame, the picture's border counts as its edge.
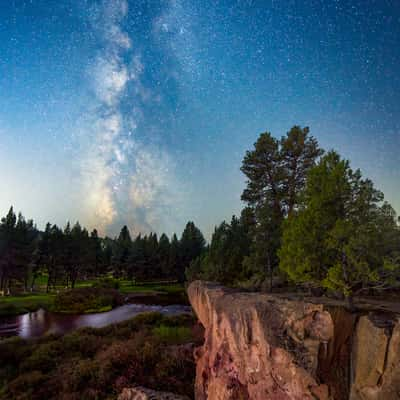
(73, 279)
(270, 272)
(33, 282)
(55, 280)
(350, 302)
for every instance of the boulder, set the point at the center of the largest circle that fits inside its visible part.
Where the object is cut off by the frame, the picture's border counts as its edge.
(375, 356)
(140, 393)
(258, 346)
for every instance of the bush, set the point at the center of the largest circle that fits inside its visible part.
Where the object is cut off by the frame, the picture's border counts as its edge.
(172, 334)
(86, 300)
(106, 283)
(81, 344)
(95, 364)
(43, 358)
(27, 386)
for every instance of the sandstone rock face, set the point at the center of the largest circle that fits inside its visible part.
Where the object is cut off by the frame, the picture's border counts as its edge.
(258, 346)
(376, 359)
(334, 365)
(140, 393)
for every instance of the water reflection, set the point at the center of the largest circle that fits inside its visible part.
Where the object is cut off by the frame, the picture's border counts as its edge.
(41, 322)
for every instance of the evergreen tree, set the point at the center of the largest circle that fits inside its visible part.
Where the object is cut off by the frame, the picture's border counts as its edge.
(191, 246)
(223, 260)
(335, 240)
(25, 245)
(17, 246)
(174, 263)
(7, 248)
(95, 253)
(122, 251)
(163, 253)
(276, 173)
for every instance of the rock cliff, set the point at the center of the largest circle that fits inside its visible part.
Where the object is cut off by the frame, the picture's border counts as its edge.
(140, 393)
(257, 346)
(376, 359)
(260, 347)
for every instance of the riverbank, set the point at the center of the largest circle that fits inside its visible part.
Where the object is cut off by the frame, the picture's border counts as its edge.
(150, 350)
(21, 304)
(28, 302)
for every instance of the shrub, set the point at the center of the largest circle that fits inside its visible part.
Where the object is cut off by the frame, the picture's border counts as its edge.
(84, 300)
(81, 344)
(172, 334)
(106, 283)
(84, 373)
(96, 364)
(27, 385)
(43, 358)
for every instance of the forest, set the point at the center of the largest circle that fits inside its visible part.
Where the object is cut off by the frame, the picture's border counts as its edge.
(310, 222)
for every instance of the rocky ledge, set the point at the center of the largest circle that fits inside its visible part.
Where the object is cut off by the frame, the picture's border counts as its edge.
(260, 346)
(140, 393)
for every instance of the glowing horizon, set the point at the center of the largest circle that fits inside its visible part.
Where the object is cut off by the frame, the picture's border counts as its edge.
(117, 112)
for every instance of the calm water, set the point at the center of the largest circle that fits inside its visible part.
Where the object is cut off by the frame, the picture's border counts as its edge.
(43, 322)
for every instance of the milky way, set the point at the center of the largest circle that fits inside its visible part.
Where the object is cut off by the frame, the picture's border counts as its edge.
(139, 112)
(125, 180)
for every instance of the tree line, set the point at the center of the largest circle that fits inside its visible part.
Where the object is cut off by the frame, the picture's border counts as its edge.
(71, 253)
(310, 220)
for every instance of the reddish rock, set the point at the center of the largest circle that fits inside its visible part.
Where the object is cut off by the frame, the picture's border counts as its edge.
(334, 364)
(376, 363)
(257, 346)
(140, 393)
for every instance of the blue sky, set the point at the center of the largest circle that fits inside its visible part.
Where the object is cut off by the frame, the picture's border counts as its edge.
(140, 112)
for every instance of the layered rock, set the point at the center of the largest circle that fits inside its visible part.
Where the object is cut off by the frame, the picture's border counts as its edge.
(334, 365)
(376, 359)
(258, 346)
(140, 393)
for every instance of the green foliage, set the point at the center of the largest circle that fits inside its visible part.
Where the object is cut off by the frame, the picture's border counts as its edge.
(98, 363)
(276, 173)
(69, 255)
(223, 262)
(77, 301)
(18, 239)
(191, 246)
(341, 238)
(13, 305)
(173, 334)
(106, 283)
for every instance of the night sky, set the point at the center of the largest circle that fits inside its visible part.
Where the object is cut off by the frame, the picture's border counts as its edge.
(139, 112)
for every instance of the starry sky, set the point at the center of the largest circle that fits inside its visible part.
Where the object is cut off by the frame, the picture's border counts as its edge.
(139, 112)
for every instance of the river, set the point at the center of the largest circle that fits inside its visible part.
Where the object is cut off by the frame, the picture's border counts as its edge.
(42, 322)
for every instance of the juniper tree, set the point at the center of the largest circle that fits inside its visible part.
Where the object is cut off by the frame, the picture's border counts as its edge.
(337, 239)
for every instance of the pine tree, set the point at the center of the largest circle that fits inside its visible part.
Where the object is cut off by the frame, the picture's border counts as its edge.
(163, 252)
(191, 246)
(122, 251)
(335, 240)
(276, 173)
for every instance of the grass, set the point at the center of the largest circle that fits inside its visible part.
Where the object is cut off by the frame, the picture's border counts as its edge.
(23, 303)
(128, 287)
(98, 310)
(173, 334)
(14, 305)
(97, 363)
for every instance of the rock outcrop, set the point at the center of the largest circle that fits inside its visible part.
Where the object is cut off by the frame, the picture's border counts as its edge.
(376, 359)
(258, 346)
(140, 393)
(265, 347)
